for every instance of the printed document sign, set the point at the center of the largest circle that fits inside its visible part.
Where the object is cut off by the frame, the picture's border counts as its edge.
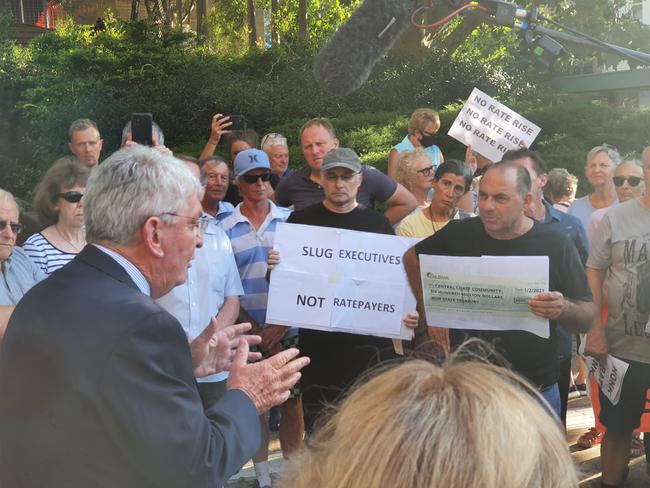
(490, 127)
(609, 376)
(340, 280)
(484, 293)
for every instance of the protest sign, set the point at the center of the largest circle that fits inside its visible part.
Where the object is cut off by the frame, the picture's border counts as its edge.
(340, 280)
(490, 127)
(609, 376)
(484, 293)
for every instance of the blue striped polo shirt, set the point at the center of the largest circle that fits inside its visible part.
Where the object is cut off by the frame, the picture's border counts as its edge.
(251, 248)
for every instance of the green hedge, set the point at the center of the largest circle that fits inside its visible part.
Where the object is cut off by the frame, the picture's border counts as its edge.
(569, 129)
(139, 67)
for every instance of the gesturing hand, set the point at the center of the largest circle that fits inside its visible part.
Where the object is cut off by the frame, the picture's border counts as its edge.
(267, 383)
(214, 349)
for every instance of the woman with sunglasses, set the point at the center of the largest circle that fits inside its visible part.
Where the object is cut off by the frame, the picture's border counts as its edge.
(59, 207)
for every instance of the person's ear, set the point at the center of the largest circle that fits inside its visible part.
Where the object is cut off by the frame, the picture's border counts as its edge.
(152, 234)
(528, 199)
(543, 179)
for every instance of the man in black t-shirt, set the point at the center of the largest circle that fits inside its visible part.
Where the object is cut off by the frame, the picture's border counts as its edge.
(504, 230)
(338, 359)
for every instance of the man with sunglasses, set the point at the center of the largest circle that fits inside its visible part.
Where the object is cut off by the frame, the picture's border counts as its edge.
(251, 228)
(19, 273)
(628, 183)
(618, 270)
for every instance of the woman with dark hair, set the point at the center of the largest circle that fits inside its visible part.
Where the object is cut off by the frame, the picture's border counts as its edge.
(451, 181)
(59, 208)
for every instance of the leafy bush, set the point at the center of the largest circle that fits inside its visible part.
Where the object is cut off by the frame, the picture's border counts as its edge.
(569, 129)
(140, 67)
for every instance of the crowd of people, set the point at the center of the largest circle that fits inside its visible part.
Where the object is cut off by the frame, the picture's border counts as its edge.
(135, 347)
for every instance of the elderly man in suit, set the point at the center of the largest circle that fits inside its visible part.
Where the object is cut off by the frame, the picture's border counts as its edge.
(97, 379)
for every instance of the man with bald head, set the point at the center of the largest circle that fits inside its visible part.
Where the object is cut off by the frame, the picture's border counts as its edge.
(19, 273)
(503, 229)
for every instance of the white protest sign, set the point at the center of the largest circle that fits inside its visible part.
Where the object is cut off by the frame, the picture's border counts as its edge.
(609, 376)
(490, 127)
(484, 293)
(340, 280)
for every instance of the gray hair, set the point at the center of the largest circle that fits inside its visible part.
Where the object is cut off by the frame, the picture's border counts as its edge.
(81, 124)
(8, 197)
(273, 139)
(216, 160)
(155, 131)
(646, 152)
(129, 187)
(634, 161)
(611, 152)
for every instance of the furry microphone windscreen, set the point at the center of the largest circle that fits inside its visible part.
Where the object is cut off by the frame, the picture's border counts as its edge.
(345, 62)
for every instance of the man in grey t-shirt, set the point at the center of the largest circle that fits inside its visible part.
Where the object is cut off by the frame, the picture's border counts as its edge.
(618, 262)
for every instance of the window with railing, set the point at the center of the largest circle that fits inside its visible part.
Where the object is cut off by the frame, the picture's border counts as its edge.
(42, 13)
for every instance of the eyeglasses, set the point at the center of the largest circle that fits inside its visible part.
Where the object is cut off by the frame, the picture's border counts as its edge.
(71, 196)
(343, 177)
(14, 226)
(200, 224)
(427, 171)
(631, 180)
(250, 179)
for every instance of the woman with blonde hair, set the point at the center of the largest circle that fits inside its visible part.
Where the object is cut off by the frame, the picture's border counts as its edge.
(422, 129)
(421, 425)
(415, 171)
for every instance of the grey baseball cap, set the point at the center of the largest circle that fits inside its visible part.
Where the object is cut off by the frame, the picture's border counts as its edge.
(341, 157)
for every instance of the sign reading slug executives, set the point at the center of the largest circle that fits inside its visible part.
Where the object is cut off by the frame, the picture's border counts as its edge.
(340, 280)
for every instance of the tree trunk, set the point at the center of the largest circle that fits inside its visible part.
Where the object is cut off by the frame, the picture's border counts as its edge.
(301, 20)
(454, 40)
(201, 9)
(275, 34)
(135, 9)
(250, 21)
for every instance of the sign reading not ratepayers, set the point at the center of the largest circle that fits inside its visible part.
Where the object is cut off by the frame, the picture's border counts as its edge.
(490, 127)
(340, 280)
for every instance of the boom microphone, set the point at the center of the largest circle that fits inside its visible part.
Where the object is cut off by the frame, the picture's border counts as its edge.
(345, 62)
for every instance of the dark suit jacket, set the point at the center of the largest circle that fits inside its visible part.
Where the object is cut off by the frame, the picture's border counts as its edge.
(96, 389)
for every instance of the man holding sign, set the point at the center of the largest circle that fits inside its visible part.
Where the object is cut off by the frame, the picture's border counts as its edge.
(504, 230)
(340, 358)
